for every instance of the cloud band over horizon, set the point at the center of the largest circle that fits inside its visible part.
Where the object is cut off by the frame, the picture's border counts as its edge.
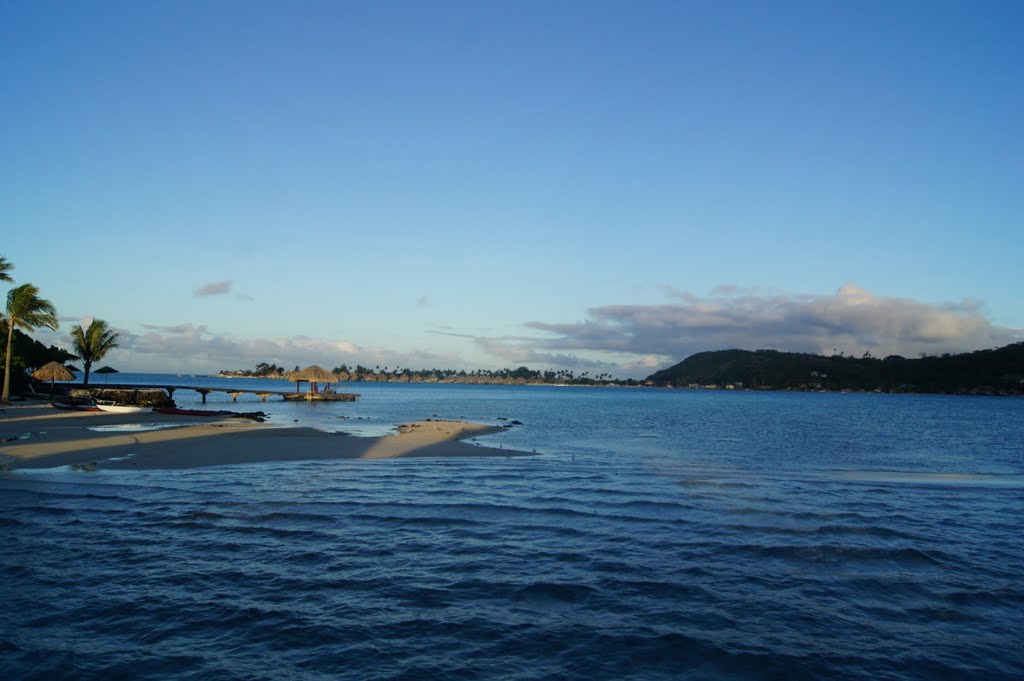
(623, 340)
(852, 320)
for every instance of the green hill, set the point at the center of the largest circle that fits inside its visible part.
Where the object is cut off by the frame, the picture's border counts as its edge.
(999, 371)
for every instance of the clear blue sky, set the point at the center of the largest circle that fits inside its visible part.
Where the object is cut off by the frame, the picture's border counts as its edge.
(596, 185)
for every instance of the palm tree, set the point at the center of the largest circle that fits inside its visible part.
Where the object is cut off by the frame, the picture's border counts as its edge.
(27, 310)
(92, 344)
(5, 269)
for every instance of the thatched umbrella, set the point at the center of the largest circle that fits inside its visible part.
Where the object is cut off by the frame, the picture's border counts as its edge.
(313, 374)
(54, 371)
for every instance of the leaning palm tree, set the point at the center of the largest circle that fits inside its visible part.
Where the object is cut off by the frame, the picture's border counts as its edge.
(5, 270)
(92, 344)
(27, 310)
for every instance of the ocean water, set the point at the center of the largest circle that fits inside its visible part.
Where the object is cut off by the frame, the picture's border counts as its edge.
(656, 535)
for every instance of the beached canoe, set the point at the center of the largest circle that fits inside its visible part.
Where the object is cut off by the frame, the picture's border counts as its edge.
(120, 408)
(70, 406)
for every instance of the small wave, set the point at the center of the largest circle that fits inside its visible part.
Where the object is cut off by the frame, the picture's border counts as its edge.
(1007, 597)
(293, 515)
(439, 521)
(648, 505)
(694, 482)
(202, 515)
(274, 532)
(555, 591)
(131, 427)
(828, 531)
(929, 478)
(76, 492)
(15, 570)
(661, 590)
(120, 458)
(797, 515)
(46, 510)
(848, 554)
(562, 531)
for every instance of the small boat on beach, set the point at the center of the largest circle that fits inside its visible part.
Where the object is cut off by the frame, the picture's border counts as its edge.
(72, 406)
(120, 408)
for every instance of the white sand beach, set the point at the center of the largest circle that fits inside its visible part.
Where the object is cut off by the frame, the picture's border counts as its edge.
(39, 436)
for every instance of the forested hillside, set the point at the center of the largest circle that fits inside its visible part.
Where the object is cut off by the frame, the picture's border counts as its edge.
(999, 371)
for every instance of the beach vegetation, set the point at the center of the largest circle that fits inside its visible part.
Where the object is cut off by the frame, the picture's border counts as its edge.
(92, 343)
(262, 370)
(27, 353)
(995, 371)
(26, 310)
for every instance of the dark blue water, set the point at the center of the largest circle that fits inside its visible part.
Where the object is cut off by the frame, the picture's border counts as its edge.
(657, 535)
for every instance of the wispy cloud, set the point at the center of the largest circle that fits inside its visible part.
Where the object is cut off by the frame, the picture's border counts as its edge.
(851, 320)
(198, 348)
(217, 288)
(524, 350)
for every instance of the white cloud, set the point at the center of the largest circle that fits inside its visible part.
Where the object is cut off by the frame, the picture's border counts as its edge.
(852, 320)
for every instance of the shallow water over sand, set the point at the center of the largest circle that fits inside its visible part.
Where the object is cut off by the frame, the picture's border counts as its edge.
(659, 534)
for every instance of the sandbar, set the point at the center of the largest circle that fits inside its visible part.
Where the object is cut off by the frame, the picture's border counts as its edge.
(43, 437)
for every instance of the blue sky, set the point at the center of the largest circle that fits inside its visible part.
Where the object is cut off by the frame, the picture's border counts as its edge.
(592, 185)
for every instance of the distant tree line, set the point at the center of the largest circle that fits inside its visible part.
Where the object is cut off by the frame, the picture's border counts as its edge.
(520, 376)
(262, 370)
(996, 371)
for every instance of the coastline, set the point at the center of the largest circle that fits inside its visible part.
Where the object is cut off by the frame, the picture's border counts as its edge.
(39, 436)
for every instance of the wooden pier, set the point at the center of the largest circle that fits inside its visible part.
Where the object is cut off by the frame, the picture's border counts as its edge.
(288, 395)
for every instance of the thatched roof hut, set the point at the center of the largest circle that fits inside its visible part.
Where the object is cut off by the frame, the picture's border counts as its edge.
(312, 374)
(54, 371)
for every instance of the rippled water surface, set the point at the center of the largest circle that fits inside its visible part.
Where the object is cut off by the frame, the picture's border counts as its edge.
(657, 535)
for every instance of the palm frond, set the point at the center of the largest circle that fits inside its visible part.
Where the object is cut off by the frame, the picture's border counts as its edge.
(5, 270)
(27, 310)
(94, 342)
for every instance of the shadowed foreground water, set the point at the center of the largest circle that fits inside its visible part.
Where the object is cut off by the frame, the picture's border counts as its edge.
(658, 560)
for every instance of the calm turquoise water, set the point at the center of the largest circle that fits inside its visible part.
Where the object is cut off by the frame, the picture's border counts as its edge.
(657, 535)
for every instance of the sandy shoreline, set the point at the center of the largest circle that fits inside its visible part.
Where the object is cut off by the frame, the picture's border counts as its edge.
(39, 436)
